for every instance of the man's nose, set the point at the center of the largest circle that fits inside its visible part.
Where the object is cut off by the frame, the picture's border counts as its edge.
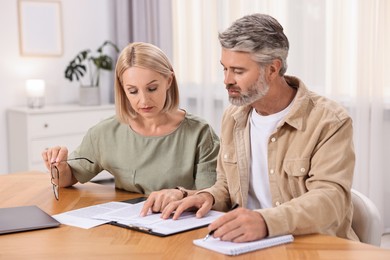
(229, 79)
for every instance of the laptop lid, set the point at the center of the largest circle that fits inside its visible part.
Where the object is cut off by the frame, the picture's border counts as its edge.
(25, 218)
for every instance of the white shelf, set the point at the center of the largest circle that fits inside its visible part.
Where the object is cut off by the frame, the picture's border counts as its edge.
(30, 131)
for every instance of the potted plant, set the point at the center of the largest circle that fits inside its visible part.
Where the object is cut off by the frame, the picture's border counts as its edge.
(92, 63)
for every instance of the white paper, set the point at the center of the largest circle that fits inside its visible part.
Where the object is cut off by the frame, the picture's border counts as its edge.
(128, 214)
(84, 217)
(78, 221)
(186, 221)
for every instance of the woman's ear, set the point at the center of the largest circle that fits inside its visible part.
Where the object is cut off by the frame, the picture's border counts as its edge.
(170, 80)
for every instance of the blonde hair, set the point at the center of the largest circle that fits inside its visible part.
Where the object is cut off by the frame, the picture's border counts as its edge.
(147, 56)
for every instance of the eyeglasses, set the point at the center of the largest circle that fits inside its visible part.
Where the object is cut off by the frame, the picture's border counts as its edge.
(55, 175)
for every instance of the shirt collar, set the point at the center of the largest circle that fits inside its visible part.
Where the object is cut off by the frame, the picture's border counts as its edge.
(296, 117)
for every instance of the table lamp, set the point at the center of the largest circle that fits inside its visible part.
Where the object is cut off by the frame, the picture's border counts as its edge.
(35, 89)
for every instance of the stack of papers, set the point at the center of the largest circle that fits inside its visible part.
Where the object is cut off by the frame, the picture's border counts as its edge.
(127, 215)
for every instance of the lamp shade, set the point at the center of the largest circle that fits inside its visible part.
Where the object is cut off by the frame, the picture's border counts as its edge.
(35, 89)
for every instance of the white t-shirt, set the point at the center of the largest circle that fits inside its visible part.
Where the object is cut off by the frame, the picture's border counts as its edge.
(261, 127)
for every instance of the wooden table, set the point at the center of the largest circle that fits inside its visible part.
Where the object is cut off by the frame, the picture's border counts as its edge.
(110, 242)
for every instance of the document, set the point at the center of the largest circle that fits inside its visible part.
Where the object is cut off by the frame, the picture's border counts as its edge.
(231, 248)
(127, 216)
(84, 217)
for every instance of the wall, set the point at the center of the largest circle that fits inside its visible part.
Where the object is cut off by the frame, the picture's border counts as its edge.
(86, 24)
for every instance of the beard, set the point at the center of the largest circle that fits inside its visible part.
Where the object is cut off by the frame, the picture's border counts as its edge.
(255, 92)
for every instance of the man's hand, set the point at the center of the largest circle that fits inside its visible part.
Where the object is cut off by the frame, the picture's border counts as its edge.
(240, 225)
(158, 200)
(201, 201)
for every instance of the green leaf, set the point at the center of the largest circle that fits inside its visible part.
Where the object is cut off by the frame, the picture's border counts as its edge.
(104, 62)
(75, 71)
(77, 68)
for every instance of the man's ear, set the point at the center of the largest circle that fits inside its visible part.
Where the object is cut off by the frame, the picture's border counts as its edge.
(273, 69)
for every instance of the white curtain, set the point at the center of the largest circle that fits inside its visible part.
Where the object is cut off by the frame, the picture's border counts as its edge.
(356, 75)
(340, 49)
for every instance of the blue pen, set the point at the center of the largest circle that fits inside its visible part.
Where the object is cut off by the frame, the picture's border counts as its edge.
(212, 231)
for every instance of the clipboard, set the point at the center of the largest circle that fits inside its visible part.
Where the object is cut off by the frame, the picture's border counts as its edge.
(150, 231)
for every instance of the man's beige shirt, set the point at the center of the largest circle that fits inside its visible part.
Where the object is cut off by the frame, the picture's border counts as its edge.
(310, 162)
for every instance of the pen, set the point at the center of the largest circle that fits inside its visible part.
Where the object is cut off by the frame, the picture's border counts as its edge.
(212, 231)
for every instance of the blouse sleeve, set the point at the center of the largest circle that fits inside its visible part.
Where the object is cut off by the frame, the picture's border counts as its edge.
(83, 170)
(208, 148)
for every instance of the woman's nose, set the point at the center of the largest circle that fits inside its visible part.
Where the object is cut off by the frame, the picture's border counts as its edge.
(143, 97)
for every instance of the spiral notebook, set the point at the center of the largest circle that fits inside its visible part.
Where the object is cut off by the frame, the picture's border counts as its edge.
(231, 248)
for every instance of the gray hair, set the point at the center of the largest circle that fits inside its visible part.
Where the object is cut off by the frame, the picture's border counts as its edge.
(260, 35)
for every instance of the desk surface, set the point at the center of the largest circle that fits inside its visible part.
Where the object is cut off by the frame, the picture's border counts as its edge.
(106, 241)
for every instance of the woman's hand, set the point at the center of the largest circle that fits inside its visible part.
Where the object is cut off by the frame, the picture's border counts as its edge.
(57, 156)
(54, 155)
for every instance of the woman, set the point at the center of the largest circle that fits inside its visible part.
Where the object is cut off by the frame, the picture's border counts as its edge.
(151, 144)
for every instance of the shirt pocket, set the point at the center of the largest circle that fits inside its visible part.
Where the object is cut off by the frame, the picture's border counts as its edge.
(297, 171)
(230, 168)
(228, 155)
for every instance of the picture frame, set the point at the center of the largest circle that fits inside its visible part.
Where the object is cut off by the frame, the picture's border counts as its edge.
(40, 28)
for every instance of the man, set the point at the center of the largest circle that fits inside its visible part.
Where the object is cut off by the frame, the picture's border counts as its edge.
(286, 155)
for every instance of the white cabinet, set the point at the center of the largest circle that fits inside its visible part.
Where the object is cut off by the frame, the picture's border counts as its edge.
(30, 131)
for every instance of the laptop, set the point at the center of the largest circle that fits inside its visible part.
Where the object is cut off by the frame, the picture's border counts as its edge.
(18, 219)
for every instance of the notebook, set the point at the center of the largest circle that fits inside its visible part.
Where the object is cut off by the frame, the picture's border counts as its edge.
(25, 218)
(231, 248)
